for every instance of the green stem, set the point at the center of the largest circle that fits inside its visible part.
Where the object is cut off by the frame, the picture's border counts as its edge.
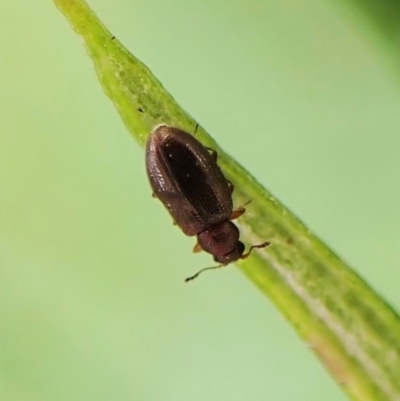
(352, 330)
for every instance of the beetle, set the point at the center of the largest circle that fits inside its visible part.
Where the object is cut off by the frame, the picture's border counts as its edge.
(185, 176)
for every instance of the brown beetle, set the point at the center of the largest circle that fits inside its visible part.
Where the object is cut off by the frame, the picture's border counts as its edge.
(185, 176)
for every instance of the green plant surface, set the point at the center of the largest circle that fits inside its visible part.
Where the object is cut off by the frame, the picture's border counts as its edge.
(351, 329)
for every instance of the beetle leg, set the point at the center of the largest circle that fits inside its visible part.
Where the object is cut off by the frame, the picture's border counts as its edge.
(153, 195)
(213, 153)
(239, 211)
(197, 248)
(263, 245)
(230, 186)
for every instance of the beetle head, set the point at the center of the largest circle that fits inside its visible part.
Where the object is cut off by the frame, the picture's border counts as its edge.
(222, 241)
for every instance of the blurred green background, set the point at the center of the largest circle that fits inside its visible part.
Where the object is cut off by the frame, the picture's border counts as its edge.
(92, 300)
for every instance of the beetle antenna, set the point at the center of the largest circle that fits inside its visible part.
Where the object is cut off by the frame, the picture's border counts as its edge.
(200, 271)
(263, 245)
